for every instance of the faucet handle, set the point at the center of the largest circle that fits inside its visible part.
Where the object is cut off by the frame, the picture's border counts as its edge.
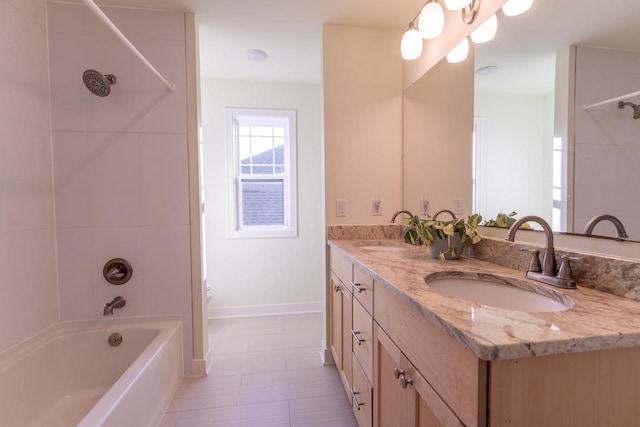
(565, 271)
(534, 263)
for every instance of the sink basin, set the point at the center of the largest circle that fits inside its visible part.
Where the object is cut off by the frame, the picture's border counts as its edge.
(379, 246)
(489, 291)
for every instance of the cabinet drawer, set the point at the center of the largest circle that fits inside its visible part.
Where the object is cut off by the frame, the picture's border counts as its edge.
(362, 333)
(454, 372)
(363, 288)
(341, 267)
(361, 396)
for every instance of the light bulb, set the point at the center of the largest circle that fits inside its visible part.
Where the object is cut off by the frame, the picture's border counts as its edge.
(459, 53)
(431, 21)
(516, 7)
(486, 31)
(456, 4)
(411, 44)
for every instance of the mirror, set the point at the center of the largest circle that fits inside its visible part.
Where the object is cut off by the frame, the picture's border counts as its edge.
(521, 108)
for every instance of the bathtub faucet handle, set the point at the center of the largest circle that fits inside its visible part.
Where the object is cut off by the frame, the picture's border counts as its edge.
(117, 302)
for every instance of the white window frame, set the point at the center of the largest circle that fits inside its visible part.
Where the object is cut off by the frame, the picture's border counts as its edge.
(246, 116)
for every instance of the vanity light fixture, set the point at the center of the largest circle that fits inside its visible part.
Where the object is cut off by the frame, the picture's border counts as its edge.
(516, 7)
(456, 4)
(459, 53)
(431, 20)
(411, 44)
(486, 31)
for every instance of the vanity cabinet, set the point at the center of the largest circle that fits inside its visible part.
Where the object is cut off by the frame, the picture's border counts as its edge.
(407, 371)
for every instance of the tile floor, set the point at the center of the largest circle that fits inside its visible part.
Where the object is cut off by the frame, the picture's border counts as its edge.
(266, 372)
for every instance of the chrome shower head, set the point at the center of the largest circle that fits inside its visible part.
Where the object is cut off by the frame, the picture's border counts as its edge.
(97, 83)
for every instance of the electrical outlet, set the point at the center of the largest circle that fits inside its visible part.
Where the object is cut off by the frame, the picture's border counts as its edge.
(458, 208)
(424, 206)
(341, 208)
(376, 207)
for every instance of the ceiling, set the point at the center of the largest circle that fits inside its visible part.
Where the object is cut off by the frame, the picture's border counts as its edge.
(290, 31)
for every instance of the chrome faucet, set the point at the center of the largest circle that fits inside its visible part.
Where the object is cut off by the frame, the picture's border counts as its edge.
(622, 234)
(547, 273)
(117, 302)
(435, 215)
(393, 218)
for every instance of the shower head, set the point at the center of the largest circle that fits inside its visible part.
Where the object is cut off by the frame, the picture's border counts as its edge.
(97, 83)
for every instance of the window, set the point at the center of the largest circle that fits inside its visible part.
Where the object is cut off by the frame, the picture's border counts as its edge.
(261, 146)
(558, 221)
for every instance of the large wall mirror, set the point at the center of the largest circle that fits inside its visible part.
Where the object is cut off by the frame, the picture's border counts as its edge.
(537, 151)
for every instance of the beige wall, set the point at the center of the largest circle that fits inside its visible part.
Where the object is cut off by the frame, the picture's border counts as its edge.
(438, 119)
(258, 276)
(362, 75)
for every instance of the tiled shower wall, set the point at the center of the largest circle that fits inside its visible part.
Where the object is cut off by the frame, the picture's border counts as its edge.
(120, 164)
(28, 285)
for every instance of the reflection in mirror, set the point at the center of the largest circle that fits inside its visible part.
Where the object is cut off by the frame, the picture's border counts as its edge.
(537, 151)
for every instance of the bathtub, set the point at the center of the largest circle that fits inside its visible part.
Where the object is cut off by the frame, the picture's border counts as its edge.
(69, 375)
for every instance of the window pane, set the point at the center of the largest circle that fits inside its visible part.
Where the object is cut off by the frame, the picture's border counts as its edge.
(263, 169)
(244, 149)
(557, 169)
(278, 169)
(261, 131)
(245, 169)
(244, 130)
(278, 131)
(263, 148)
(557, 194)
(262, 202)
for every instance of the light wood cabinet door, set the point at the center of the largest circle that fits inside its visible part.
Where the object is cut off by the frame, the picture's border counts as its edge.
(362, 396)
(335, 338)
(402, 397)
(363, 338)
(390, 403)
(346, 373)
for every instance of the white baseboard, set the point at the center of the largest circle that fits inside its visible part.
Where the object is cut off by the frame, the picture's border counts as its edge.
(325, 354)
(198, 368)
(264, 310)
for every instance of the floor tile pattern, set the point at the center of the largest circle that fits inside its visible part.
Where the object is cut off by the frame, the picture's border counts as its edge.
(266, 372)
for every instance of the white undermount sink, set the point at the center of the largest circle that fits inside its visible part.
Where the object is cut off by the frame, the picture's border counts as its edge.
(502, 295)
(378, 246)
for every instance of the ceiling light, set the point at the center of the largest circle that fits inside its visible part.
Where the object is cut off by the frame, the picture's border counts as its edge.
(486, 31)
(516, 7)
(456, 4)
(431, 21)
(459, 53)
(411, 44)
(486, 70)
(257, 55)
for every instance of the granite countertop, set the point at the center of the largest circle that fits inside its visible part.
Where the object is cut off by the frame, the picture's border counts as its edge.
(596, 321)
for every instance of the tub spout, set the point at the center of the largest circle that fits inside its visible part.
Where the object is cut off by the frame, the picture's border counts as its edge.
(117, 302)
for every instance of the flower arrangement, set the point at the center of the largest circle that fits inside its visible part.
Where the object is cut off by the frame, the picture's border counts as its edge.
(505, 221)
(454, 232)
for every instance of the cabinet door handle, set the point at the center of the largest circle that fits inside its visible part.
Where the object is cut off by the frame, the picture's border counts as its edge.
(355, 399)
(356, 337)
(404, 381)
(397, 372)
(336, 288)
(357, 287)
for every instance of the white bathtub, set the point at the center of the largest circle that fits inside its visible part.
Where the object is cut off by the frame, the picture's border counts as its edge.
(70, 376)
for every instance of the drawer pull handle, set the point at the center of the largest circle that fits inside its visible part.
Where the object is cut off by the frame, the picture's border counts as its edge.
(397, 372)
(355, 399)
(404, 381)
(357, 287)
(356, 337)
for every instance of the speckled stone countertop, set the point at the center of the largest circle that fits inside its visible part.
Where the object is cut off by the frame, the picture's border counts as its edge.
(596, 321)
